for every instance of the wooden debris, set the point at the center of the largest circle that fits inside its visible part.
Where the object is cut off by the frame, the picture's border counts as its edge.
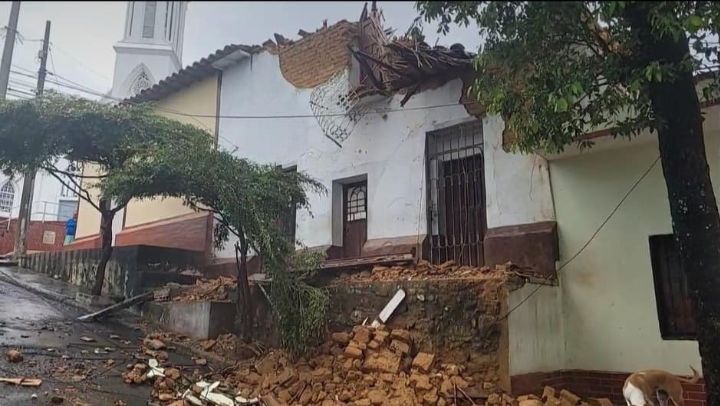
(22, 381)
(118, 306)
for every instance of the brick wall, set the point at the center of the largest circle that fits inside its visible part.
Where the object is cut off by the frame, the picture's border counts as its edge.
(191, 232)
(36, 230)
(314, 59)
(593, 384)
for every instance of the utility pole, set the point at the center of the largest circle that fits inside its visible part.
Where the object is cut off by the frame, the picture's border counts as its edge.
(29, 182)
(8, 49)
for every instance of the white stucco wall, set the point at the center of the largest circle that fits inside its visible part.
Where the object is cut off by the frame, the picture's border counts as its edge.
(389, 150)
(517, 186)
(46, 196)
(536, 330)
(609, 305)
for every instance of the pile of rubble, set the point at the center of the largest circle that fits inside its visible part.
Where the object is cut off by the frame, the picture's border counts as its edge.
(217, 289)
(425, 270)
(370, 366)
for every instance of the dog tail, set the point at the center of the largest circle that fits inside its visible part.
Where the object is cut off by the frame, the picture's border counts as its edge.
(695, 377)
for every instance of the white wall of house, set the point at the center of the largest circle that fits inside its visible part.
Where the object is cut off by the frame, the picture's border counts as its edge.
(517, 185)
(48, 196)
(609, 304)
(389, 150)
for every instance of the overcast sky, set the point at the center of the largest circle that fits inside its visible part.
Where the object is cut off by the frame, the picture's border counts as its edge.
(83, 33)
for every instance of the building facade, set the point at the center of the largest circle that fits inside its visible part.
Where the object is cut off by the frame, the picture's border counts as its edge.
(412, 169)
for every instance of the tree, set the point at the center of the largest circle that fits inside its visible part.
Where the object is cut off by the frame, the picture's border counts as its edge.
(35, 134)
(556, 71)
(246, 199)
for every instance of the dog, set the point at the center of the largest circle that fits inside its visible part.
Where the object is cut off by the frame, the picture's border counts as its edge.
(643, 388)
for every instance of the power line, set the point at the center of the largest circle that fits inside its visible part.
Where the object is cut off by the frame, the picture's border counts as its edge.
(21, 91)
(82, 88)
(81, 63)
(592, 237)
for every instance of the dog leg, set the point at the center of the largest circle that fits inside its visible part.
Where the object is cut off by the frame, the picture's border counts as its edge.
(634, 396)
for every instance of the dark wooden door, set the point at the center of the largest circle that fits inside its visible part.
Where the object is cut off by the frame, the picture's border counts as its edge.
(354, 218)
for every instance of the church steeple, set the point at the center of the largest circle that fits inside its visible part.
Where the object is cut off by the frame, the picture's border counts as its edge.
(151, 48)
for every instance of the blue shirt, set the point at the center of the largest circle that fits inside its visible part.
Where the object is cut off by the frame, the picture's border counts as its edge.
(70, 226)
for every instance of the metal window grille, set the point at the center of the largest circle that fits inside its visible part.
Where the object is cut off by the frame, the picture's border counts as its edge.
(456, 194)
(7, 196)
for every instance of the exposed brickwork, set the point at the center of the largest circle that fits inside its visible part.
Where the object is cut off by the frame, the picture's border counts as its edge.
(596, 384)
(190, 232)
(36, 231)
(314, 59)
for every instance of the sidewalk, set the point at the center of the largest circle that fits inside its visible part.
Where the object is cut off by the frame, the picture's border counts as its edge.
(44, 285)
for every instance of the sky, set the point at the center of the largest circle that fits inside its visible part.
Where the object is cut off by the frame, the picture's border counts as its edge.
(83, 33)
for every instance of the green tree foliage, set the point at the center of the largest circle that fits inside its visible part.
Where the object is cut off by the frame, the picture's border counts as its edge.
(555, 71)
(35, 134)
(247, 201)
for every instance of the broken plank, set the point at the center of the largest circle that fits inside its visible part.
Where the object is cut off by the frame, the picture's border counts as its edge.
(22, 381)
(118, 306)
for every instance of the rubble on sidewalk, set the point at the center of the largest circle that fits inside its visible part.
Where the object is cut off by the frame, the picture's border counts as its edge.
(366, 366)
(13, 356)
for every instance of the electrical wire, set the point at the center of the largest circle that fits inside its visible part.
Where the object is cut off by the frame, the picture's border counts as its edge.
(592, 237)
(82, 88)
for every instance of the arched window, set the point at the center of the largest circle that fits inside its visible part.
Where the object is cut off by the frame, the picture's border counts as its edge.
(7, 196)
(142, 82)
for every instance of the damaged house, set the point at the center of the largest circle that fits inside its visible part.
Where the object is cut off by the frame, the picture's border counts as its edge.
(414, 171)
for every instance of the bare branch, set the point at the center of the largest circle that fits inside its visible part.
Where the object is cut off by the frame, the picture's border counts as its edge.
(85, 195)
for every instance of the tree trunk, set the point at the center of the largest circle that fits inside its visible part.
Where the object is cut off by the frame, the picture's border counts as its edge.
(106, 236)
(694, 211)
(244, 303)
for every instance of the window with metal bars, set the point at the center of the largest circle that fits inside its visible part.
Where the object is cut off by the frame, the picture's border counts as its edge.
(456, 194)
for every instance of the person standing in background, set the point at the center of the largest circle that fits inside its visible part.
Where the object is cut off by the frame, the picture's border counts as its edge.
(70, 227)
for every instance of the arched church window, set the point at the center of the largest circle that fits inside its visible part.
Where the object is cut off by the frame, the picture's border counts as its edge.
(7, 196)
(142, 82)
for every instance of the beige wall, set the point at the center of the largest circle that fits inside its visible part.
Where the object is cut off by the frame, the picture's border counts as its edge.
(88, 221)
(198, 98)
(608, 297)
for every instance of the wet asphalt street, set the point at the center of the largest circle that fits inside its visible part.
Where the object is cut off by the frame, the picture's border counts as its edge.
(79, 363)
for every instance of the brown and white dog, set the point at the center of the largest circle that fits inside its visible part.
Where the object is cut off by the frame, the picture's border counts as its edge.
(644, 388)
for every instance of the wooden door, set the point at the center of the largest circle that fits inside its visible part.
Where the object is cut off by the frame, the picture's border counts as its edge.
(354, 218)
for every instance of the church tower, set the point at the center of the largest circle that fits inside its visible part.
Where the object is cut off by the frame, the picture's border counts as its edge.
(151, 48)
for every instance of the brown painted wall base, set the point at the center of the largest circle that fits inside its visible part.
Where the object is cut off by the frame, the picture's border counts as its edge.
(592, 384)
(191, 232)
(532, 246)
